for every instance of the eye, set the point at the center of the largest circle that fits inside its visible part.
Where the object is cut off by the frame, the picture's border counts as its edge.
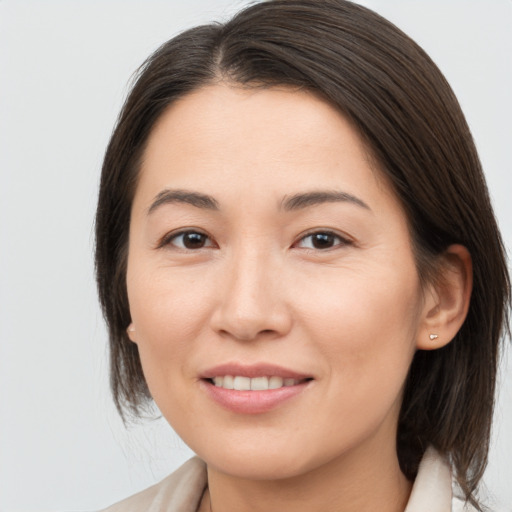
(322, 240)
(189, 240)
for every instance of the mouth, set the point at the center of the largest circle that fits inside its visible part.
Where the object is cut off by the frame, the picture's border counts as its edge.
(262, 383)
(253, 389)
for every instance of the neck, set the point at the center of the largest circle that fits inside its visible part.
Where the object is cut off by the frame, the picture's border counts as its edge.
(365, 481)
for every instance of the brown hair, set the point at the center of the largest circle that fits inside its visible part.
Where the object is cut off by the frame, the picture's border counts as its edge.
(414, 129)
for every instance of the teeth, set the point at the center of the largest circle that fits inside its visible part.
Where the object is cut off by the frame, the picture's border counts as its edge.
(240, 383)
(228, 382)
(275, 383)
(259, 383)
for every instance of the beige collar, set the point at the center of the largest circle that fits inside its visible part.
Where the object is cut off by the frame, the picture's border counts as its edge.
(432, 489)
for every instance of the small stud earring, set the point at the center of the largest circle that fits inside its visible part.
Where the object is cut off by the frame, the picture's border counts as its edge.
(433, 337)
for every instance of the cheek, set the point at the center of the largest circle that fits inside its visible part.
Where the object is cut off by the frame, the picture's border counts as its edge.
(365, 324)
(168, 315)
(168, 309)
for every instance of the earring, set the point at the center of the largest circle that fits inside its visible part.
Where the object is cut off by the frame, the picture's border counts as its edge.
(433, 337)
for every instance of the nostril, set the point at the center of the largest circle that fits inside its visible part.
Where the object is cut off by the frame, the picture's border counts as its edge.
(246, 322)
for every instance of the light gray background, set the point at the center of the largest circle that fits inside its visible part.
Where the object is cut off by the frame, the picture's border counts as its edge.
(64, 69)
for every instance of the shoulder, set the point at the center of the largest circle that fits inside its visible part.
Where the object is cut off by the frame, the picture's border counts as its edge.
(181, 491)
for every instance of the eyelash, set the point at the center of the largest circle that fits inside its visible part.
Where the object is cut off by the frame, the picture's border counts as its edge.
(172, 237)
(342, 241)
(169, 238)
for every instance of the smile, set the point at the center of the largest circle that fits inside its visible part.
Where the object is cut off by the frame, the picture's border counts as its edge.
(255, 388)
(241, 383)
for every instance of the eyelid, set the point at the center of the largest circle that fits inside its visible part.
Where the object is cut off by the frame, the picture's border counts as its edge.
(167, 239)
(344, 239)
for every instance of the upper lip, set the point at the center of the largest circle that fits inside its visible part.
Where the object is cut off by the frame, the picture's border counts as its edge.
(253, 370)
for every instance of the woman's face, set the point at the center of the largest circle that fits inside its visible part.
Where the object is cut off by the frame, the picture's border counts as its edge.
(266, 252)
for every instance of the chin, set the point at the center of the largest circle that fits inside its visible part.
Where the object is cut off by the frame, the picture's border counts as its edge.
(258, 466)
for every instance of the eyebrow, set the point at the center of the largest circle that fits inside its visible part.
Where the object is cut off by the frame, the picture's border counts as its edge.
(183, 196)
(299, 201)
(292, 203)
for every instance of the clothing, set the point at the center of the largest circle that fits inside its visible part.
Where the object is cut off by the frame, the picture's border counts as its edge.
(182, 490)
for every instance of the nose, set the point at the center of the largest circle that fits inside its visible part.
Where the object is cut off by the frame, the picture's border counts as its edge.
(251, 302)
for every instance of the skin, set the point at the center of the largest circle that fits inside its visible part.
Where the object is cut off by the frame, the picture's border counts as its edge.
(351, 314)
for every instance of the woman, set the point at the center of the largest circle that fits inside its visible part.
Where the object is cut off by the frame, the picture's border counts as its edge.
(298, 261)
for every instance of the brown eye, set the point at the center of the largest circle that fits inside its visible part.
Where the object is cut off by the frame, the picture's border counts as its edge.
(322, 240)
(190, 240)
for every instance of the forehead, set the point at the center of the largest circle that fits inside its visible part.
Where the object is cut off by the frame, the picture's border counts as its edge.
(252, 115)
(224, 137)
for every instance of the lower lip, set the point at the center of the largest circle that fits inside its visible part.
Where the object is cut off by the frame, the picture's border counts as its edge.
(252, 402)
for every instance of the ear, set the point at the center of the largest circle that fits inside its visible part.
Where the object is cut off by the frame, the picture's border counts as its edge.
(446, 300)
(130, 330)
